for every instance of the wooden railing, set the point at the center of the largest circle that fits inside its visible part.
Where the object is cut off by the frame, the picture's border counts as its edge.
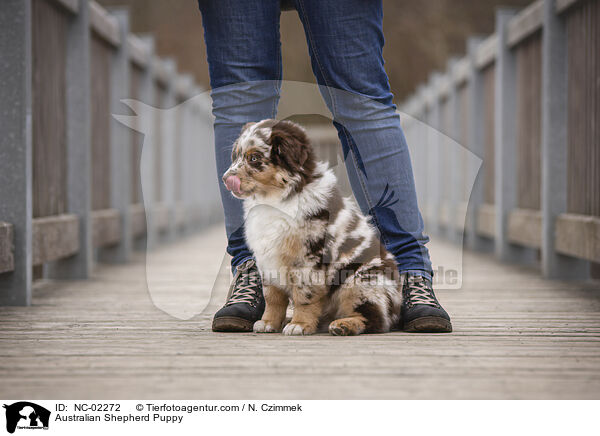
(70, 179)
(528, 103)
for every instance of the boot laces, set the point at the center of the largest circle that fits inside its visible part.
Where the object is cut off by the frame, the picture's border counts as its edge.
(419, 291)
(245, 284)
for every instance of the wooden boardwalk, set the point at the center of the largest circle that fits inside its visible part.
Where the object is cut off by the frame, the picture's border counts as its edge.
(516, 336)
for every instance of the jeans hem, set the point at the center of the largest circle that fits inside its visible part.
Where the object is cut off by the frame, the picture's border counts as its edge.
(418, 272)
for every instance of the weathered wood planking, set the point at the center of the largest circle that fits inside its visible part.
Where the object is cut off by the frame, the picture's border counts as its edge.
(161, 216)
(106, 227)
(487, 52)
(539, 339)
(525, 227)
(71, 6)
(49, 41)
(446, 115)
(463, 105)
(583, 23)
(137, 140)
(564, 5)
(101, 54)
(159, 102)
(138, 52)
(526, 23)
(529, 124)
(489, 83)
(54, 238)
(486, 221)
(178, 146)
(579, 236)
(7, 261)
(138, 220)
(105, 25)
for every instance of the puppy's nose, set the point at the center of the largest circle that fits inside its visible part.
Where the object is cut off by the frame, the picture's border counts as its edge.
(233, 183)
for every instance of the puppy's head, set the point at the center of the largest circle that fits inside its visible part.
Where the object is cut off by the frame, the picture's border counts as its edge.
(270, 158)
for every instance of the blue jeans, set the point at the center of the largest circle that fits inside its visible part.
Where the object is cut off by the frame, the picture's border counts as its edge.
(345, 42)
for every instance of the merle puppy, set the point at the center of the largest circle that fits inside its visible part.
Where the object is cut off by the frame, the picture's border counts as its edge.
(312, 246)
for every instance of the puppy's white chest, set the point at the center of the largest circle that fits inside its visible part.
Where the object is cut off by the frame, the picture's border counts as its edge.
(268, 230)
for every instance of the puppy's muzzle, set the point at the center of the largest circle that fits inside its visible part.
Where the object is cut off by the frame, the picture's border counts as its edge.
(232, 183)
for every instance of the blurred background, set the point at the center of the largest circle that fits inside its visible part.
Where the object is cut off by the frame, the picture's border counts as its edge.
(420, 36)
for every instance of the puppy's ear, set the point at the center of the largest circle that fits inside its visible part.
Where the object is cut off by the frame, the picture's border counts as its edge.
(290, 144)
(247, 126)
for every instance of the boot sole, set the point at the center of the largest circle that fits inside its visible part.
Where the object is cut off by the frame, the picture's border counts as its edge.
(429, 324)
(231, 324)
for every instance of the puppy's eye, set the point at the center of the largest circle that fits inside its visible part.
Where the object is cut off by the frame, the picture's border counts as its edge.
(253, 158)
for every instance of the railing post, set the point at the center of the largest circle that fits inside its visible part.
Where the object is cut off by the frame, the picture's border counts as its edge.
(433, 122)
(505, 140)
(79, 170)
(15, 146)
(453, 180)
(420, 141)
(476, 140)
(120, 143)
(168, 149)
(186, 82)
(554, 147)
(148, 180)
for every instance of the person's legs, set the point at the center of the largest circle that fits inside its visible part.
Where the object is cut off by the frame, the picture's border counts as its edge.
(244, 59)
(345, 40)
(346, 46)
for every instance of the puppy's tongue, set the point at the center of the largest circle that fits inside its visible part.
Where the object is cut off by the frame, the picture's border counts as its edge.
(233, 183)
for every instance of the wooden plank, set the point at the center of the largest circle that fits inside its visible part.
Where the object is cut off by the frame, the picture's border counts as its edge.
(7, 261)
(444, 212)
(461, 216)
(462, 71)
(578, 236)
(137, 138)
(486, 220)
(101, 54)
(161, 72)
(487, 52)
(529, 124)
(444, 87)
(159, 101)
(184, 87)
(546, 346)
(181, 215)
(583, 195)
(525, 227)
(106, 225)
(54, 238)
(138, 52)
(525, 24)
(563, 5)
(71, 6)
(138, 219)
(104, 25)
(161, 216)
(49, 41)
(489, 119)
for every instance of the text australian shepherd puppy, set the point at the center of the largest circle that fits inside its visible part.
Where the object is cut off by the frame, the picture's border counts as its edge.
(311, 245)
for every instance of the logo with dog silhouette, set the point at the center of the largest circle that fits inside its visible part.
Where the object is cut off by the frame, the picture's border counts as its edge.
(26, 415)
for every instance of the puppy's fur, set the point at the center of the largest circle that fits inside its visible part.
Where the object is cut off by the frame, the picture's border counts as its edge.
(311, 245)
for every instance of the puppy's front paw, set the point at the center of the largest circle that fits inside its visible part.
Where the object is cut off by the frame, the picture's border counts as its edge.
(297, 330)
(264, 327)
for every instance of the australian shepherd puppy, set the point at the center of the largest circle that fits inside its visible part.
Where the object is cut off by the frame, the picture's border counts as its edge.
(312, 246)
